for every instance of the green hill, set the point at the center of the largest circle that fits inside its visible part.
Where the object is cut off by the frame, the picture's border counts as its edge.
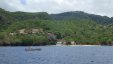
(23, 28)
(82, 15)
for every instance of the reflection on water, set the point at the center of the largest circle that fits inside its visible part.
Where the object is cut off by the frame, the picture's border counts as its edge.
(57, 55)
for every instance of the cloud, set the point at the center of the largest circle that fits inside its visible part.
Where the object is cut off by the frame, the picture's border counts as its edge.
(23, 2)
(101, 7)
(12, 5)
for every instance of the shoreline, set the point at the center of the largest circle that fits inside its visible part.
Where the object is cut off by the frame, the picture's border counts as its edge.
(54, 45)
(79, 45)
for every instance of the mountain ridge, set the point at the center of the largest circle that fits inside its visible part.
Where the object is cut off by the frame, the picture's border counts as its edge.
(71, 15)
(82, 15)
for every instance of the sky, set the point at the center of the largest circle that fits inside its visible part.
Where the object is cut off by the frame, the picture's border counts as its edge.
(99, 7)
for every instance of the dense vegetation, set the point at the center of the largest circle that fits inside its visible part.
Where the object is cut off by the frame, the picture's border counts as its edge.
(70, 26)
(82, 15)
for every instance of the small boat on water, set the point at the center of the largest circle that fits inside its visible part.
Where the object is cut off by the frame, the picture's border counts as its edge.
(33, 49)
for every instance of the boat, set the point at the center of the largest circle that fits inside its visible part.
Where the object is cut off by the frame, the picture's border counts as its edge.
(33, 49)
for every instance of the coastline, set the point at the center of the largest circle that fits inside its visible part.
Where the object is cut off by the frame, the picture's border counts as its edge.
(55, 45)
(81, 45)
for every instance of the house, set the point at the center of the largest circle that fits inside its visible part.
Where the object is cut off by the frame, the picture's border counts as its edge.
(34, 31)
(73, 43)
(22, 31)
(59, 43)
(12, 33)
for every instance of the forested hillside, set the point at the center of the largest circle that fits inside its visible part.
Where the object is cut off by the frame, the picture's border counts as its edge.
(23, 28)
(82, 15)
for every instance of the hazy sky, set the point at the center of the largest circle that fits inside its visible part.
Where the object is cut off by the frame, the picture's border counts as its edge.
(101, 7)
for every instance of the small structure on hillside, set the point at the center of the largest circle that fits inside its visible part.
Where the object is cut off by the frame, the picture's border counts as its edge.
(63, 42)
(12, 33)
(73, 43)
(34, 31)
(59, 43)
(30, 31)
(22, 31)
(39, 30)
